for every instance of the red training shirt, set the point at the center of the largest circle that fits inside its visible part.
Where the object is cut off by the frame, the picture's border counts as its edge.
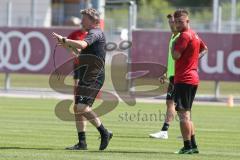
(189, 45)
(77, 35)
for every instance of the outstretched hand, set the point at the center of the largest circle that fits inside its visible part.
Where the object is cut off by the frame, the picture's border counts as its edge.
(60, 42)
(58, 37)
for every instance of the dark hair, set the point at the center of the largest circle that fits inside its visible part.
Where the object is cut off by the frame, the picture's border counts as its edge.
(180, 12)
(169, 16)
(92, 13)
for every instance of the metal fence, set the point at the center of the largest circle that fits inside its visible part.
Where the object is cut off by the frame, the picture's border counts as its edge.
(223, 16)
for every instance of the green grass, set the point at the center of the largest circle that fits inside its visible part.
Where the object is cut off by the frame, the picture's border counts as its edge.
(30, 130)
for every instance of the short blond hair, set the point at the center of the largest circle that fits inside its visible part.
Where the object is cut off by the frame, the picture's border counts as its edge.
(92, 13)
(180, 12)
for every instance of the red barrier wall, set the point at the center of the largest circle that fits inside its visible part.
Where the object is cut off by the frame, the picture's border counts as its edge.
(29, 50)
(221, 63)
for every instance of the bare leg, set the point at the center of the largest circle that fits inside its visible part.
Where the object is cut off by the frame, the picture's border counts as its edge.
(193, 140)
(91, 116)
(170, 111)
(85, 111)
(185, 124)
(81, 121)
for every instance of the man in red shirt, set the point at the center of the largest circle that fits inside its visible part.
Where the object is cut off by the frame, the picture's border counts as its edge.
(186, 51)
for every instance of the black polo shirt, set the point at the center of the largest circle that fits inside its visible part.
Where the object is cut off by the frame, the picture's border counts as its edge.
(92, 58)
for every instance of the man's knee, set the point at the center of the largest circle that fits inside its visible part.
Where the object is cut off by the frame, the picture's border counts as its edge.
(80, 108)
(184, 116)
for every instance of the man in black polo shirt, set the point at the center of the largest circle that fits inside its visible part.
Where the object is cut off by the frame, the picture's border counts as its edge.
(92, 74)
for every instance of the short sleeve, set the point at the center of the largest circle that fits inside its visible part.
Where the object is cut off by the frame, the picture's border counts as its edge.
(77, 35)
(182, 42)
(91, 37)
(73, 35)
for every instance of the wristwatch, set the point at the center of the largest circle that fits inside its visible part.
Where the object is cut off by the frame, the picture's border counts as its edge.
(64, 39)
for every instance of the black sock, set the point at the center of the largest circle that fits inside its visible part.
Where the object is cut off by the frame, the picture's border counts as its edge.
(187, 144)
(193, 141)
(101, 129)
(81, 137)
(165, 127)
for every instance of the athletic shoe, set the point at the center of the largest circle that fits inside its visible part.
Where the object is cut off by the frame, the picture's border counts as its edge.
(184, 151)
(159, 135)
(79, 146)
(195, 150)
(105, 139)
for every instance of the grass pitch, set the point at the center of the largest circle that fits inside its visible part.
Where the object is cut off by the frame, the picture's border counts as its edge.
(30, 130)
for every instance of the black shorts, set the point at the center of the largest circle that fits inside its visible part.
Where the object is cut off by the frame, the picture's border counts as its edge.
(184, 96)
(170, 91)
(87, 92)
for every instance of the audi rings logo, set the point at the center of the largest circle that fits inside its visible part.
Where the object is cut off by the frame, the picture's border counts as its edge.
(23, 55)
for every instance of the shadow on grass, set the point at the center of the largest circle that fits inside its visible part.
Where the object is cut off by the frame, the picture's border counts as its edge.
(131, 152)
(90, 151)
(2, 148)
(129, 136)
